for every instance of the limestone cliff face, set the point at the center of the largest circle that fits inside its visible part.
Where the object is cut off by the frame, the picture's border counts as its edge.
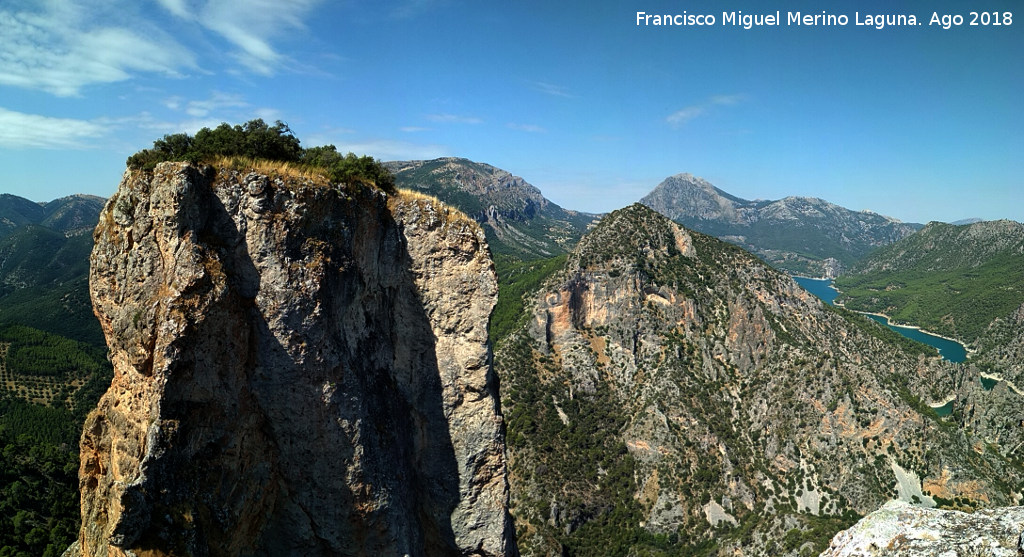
(300, 369)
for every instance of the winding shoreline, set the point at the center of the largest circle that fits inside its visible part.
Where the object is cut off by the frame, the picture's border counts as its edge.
(889, 321)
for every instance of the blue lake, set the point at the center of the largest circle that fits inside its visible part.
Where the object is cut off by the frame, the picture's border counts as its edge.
(948, 349)
(944, 410)
(988, 383)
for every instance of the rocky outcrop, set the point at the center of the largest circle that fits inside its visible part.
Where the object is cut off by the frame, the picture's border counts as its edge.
(300, 369)
(902, 530)
(669, 386)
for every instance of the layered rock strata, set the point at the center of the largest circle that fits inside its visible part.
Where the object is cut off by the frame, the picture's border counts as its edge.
(300, 369)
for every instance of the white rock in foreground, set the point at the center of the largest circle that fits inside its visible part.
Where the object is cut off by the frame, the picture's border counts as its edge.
(898, 529)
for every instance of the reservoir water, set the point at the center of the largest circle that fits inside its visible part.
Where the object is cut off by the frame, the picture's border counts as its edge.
(948, 349)
(944, 410)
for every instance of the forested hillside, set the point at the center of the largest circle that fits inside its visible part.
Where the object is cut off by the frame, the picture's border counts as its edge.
(950, 279)
(47, 385)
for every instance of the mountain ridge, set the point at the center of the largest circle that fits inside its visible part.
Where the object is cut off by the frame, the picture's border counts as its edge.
(802, 235)
(518, 220)
(44, 264)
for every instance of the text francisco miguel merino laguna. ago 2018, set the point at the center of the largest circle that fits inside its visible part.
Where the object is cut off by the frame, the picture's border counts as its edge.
(824, 19)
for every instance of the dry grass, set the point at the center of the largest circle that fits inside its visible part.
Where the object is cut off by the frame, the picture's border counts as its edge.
(450, 214)
(275, 169)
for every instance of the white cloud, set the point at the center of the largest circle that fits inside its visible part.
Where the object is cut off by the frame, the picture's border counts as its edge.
(413, 129)
(20, 130)
(549, 89)
(454, 119)
(269, 115)
(250, 25)
(526, 128)
(189, 126)
(210, 112)
(411, 8)
(173, 103)
(728, 99)
(60, 48)
(684, 115)
(680, 117)
(146, 121)
(176, 7)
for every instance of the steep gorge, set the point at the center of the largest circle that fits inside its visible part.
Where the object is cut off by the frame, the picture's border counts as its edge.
(300, 368)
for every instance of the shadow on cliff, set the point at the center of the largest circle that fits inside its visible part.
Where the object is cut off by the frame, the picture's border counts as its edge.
(304, 411)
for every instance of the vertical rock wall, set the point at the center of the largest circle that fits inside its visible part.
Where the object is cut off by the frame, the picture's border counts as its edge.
(299, 370)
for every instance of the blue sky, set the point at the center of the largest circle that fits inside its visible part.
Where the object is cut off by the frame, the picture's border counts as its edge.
(920, 123)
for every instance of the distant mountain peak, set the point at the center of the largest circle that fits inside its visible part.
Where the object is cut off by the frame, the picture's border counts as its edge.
(799, 234)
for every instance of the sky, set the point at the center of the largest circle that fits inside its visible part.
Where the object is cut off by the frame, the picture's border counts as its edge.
(917, 122)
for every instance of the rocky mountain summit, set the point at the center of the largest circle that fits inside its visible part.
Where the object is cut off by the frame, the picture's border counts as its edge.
(802, 235)
(300, 369)
(672, 394)
(902, 530)
(518, 219)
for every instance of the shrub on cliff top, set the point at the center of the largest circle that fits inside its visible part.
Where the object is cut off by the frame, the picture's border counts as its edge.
(257, 140)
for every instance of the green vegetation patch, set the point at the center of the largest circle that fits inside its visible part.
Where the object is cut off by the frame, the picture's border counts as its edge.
(51, 370)
(515, 281)
(257, 140)
(39, 510)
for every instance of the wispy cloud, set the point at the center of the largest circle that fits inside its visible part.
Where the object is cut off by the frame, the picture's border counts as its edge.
(413, 129)
(550, 89)
(210, 112)
(680, 117)
(526, 128)
(146, 121)
(20, 130)
(728, 99)
(176, 7)
(250, 25)
(454, 119)
(60, 48)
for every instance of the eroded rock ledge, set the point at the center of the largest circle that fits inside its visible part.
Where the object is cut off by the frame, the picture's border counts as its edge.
(300, 369)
